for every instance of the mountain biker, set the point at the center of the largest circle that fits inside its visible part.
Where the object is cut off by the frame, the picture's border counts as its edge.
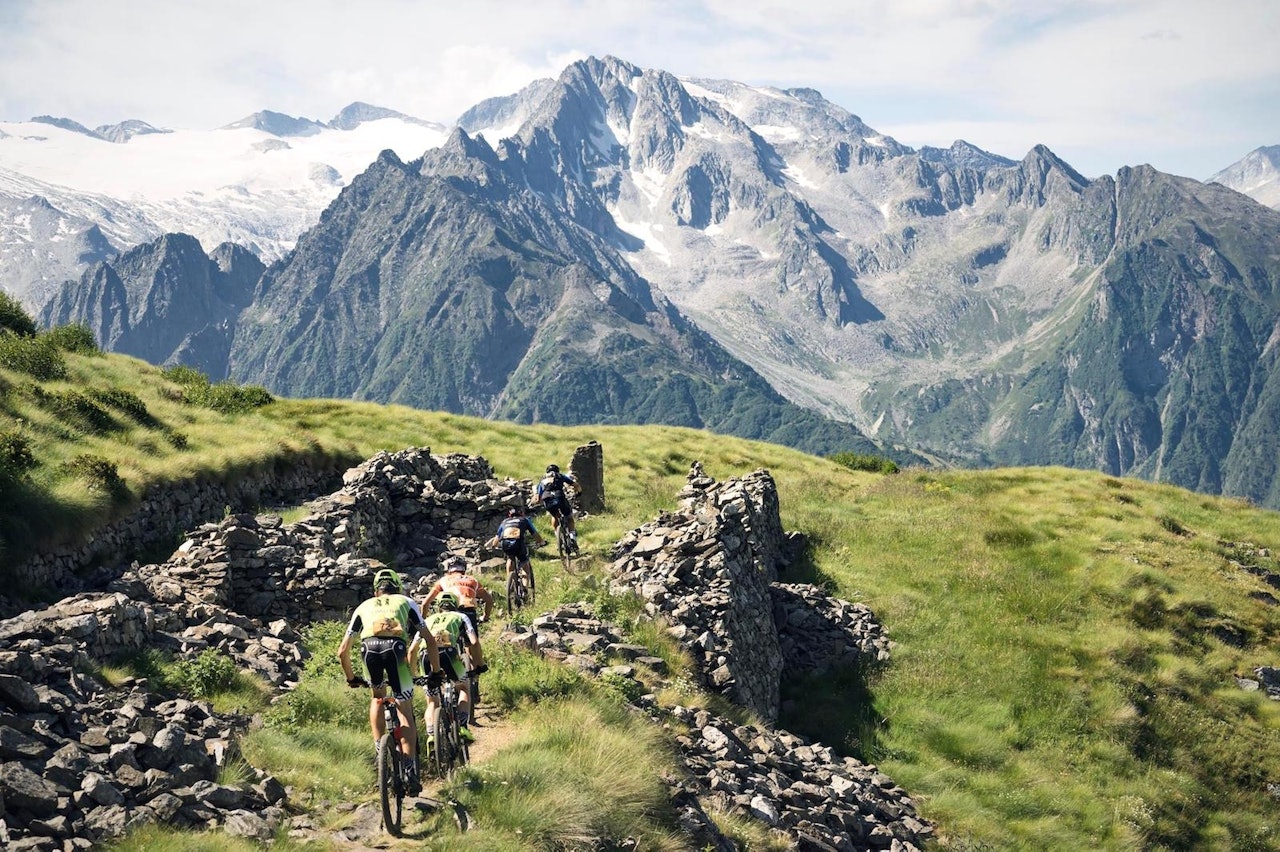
(384, 624)
(511, 538)
(467, 590)
(551, 494)
(450, 629)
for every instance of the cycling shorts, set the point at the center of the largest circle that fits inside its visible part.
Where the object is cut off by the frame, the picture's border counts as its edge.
(387, 658)
(454, 667)
(558, 507)
(516, 547)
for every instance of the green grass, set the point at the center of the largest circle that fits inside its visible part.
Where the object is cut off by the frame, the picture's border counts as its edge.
(1066, 642)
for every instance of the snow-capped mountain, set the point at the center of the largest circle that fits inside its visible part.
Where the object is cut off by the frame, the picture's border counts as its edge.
(259, 182)
(1257, 175)
(949, 300)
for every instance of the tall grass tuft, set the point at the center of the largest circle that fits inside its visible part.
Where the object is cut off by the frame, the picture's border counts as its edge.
(581, 774)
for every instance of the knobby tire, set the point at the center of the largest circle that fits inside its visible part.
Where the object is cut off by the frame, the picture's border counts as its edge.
(390, 784)
(565, 545)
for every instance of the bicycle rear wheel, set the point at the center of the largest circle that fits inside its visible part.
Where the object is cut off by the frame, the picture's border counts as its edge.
(515, 591)
(565, 545)
(390, 784)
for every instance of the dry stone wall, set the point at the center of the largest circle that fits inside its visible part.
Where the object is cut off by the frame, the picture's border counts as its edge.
(81, 762)
(162, 515)
(820, 800)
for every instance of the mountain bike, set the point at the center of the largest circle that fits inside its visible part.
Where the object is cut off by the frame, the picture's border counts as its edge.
(565, 545)
(448, 750)
(393, 779)
(520, 585)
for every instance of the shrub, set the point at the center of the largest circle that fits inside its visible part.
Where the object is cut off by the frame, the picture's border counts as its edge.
(14, 318)
(225, 397)
(15, 455)
(74, 338)
(75, 409)
(206, 675)
(229, 398)
(127, 403)
(35, 356)
(98, 473)
(870, 463)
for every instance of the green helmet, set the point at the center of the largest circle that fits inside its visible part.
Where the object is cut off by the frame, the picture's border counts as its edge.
(446, 602)
(387, 577)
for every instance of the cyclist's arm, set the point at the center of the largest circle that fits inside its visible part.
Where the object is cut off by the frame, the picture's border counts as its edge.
(344, 648)
(431, 595)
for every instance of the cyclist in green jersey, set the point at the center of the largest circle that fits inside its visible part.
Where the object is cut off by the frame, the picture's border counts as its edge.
(452, 631)
(384, 624)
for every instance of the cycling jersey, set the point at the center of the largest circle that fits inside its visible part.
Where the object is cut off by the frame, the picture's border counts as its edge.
(451, 631)
(387, 616)
(465, 589)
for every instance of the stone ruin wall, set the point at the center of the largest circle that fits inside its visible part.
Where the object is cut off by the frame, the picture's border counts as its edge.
(73, 767)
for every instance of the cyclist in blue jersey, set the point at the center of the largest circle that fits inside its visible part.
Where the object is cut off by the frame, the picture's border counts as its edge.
(551, 494)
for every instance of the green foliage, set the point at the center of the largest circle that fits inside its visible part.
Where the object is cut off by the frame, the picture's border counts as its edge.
(225, 397)
(73, 338)
(13, 318)
(861, 461)
(99, 474)
(35, 356)
(517, 678)
(75, 409)
(204, 676)
(580, 773)
(127, 403)
(627, 689)
(15, 456)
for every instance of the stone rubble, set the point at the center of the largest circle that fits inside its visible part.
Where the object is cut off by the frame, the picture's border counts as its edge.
(820, 800)
(81, 762)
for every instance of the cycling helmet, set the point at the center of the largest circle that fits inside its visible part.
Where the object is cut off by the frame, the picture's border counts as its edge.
(387, 577)
(513, 512)
(553, 468)
(457, 563)
(446, 602)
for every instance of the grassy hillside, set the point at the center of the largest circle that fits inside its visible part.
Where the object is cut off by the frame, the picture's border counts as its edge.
(1067, 643)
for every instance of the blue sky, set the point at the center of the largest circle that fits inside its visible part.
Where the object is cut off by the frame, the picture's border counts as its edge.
(1188, 86)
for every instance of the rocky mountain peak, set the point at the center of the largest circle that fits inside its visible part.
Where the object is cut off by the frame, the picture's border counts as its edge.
(278, 124)
(126, 130)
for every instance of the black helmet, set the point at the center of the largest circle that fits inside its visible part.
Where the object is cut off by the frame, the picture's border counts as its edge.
(512, 512)
(553, 468)
(457, 563)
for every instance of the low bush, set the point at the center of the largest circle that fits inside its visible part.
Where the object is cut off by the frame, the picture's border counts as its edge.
(35, 356)
(75, 410)
(14, 318)
(127, 403)
(74, 338)
(16, 457)
(213, 671)
(224, 397)
(869, 463)
(98, 473)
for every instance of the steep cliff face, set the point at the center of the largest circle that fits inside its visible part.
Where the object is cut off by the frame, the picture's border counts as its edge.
(447, 284)
(165, 301)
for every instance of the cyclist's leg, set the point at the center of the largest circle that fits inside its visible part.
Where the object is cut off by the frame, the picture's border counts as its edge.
(402, 688)
(374, 663)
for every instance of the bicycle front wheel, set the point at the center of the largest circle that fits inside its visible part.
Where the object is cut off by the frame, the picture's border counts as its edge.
(390, 784)
(565, 546)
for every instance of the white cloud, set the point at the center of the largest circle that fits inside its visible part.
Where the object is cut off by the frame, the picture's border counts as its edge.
(1188, 85)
